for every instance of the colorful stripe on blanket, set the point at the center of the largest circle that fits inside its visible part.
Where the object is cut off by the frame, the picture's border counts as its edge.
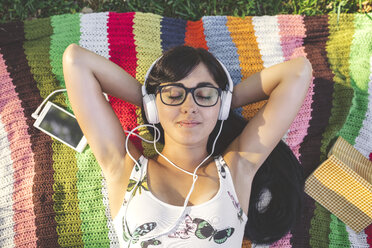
(52, 196)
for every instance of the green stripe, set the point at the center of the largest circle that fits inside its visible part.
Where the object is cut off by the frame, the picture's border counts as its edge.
(338, 236)
(36, 46)
(66, 30)
(89, 185)
(319, 230)
(37, 34)
(338, 53)
(361, 51)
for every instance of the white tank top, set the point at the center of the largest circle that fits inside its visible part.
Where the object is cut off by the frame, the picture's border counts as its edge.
(218, 222)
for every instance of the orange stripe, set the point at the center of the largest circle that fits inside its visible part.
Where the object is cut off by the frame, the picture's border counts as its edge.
(246, 243)
(194, 35)
(243, 36)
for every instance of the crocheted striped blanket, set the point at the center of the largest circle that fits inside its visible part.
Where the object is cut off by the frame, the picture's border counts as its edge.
(52, 196)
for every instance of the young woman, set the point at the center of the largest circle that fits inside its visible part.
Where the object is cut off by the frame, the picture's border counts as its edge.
(183, 197)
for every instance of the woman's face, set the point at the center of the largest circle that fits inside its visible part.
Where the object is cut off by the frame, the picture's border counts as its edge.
(189, 124)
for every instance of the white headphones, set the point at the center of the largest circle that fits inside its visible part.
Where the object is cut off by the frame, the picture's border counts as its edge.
(149, 103)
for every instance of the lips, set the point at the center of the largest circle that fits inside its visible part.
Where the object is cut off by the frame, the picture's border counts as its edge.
(188, 123)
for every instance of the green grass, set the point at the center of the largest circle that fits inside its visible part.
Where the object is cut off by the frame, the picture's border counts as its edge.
(19, 10)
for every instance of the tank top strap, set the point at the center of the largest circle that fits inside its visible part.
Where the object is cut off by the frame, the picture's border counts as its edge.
(222, 168)
(139, 170)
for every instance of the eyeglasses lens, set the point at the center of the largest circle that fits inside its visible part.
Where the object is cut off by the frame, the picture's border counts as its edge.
(175, 95)
(172, 95)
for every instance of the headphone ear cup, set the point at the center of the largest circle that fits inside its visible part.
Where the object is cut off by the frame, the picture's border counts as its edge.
(149, 106)
(225, 105)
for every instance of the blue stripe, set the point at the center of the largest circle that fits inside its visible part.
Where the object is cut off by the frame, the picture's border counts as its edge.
(220, 44)
(172, 32)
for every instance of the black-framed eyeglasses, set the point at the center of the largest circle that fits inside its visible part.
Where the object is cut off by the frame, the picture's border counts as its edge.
(175, 94)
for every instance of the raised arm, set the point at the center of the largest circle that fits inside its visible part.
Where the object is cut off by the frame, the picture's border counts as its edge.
(87, 76)
(285, 86)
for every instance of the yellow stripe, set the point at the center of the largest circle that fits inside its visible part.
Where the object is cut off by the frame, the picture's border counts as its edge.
(146, 30)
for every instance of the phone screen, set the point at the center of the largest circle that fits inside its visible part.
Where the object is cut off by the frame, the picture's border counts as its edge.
(62, 125)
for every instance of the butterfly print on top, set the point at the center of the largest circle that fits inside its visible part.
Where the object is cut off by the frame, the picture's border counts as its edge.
(185, 229)
(205, 230)
(142, 184)
(145, 244)
(138, 232)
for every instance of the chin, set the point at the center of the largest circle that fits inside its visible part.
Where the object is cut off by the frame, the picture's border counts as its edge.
(188, 138)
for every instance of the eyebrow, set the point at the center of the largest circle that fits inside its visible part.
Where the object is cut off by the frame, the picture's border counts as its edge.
(204, 84)
(200, 84)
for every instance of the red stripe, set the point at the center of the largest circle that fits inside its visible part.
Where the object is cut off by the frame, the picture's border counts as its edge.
(195, 34)
(122, 51)
(368, 230)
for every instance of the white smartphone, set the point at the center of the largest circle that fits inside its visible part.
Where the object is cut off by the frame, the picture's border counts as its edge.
(61, 125)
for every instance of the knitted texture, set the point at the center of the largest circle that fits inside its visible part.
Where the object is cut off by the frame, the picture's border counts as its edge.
(94, 218)
(338, 51)
(360, 71)
(146, 30)
(7, 92)
(292, 33)
(36, 49)
(54, 197)
(362, 142)
(220, 44)
(17, 123)
(66, 203)
(242, 35)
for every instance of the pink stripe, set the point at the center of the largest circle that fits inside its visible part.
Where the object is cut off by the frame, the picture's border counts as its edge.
(284, 242)
(15, 125)
(292, 33)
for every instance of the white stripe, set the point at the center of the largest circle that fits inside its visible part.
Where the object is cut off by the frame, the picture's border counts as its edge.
(357, 239)
(268, 39)
(6, 192)
(363, 143)
(94, 37)
(93, 28)
(113, 236)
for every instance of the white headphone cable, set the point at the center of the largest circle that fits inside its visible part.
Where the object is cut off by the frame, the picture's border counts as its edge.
(35, 114)
(195, 177)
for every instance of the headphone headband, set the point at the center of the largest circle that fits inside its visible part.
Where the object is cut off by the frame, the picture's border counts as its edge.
(149, 99)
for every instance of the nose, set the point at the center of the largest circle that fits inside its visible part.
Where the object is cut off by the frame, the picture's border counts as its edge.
(189, 105)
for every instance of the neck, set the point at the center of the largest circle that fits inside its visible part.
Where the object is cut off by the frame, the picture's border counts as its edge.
(187, 158)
